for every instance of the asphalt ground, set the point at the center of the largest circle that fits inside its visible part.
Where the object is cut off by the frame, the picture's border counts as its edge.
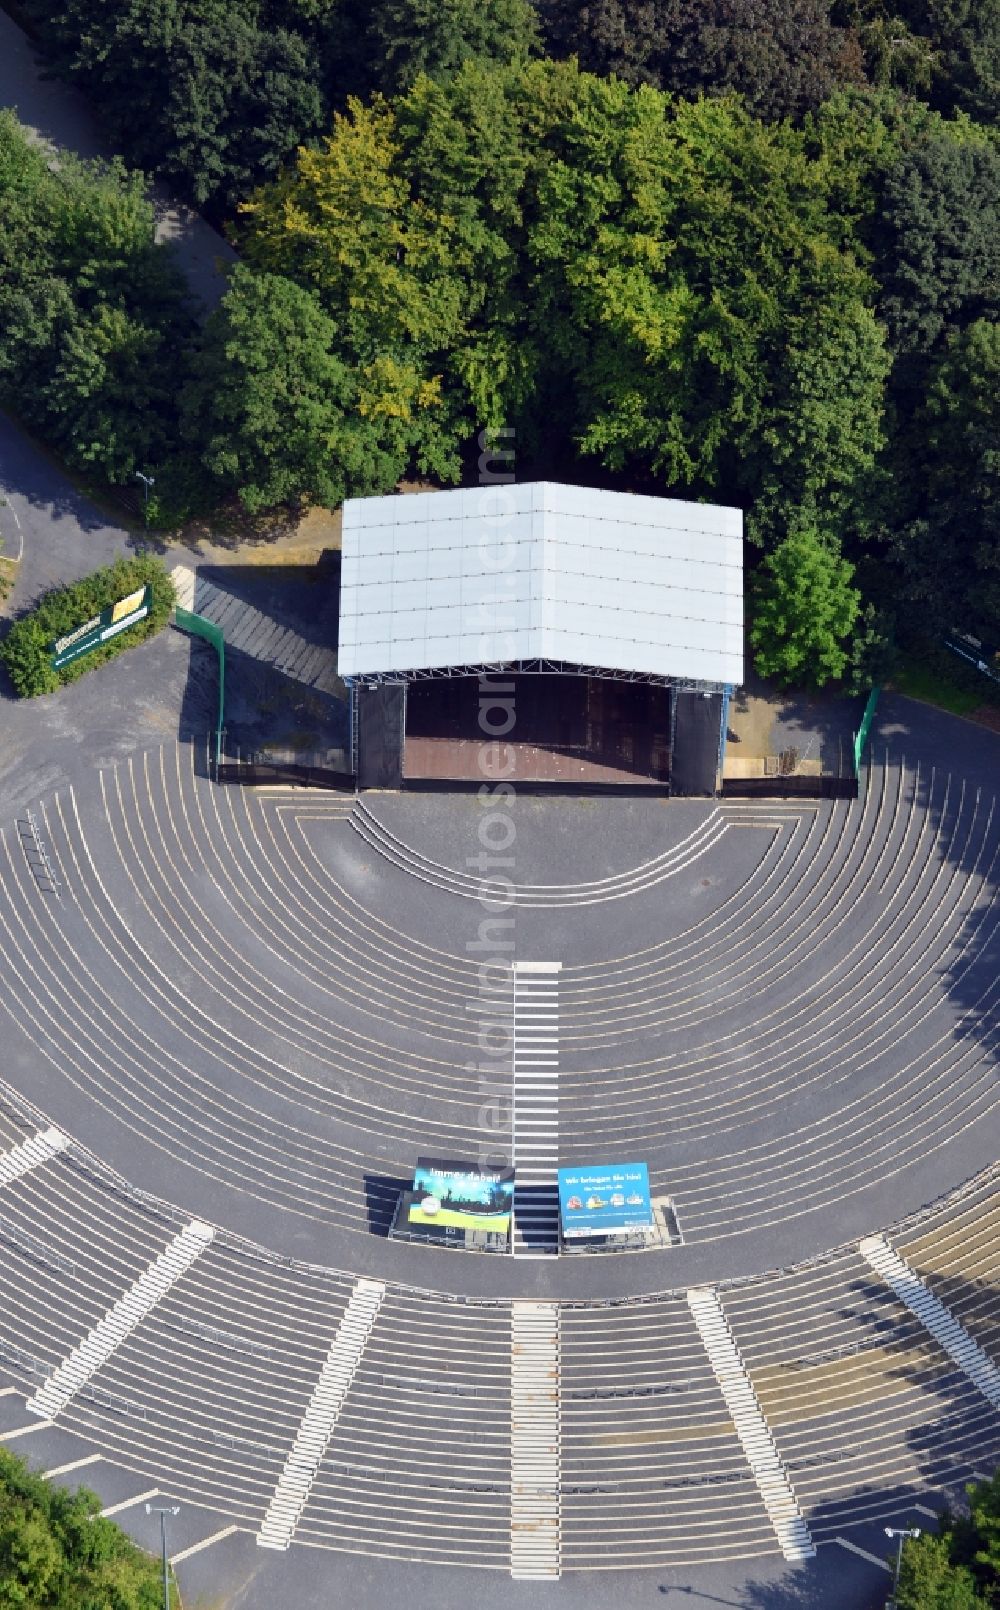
(345, 1010)
(111, 790)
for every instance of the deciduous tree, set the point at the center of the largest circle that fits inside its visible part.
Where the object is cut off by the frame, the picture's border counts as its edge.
(804, 610)
(937, 238)
(948, 554)
(782, 57)
(410, 37)
(93, 323)
(214, 94)
(274, 407)
(58, 1553)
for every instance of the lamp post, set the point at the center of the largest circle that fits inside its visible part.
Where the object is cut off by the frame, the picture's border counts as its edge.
(163, 1512)
(900, 1532)
(147, 482)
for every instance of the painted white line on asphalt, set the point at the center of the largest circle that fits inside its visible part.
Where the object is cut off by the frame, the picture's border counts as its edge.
(74, 1464)
(20, 536)
(206, 1542)
(932, 1514)
(119, 1322)
(863, 1554)
(25, 1431)
(130, 1503)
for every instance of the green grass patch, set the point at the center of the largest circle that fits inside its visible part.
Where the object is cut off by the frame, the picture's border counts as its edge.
(937, 677)
(26, 651)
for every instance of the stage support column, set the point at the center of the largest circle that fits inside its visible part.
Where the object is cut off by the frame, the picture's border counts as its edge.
(694, 760)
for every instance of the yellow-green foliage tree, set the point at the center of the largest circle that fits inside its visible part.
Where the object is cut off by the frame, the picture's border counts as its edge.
(664, 285)
(57, 1552)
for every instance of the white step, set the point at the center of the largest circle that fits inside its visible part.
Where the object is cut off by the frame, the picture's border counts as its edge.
(322, 1412)
(535, 1474)
(121, 1320)
(773, 1481)
(936, 1318)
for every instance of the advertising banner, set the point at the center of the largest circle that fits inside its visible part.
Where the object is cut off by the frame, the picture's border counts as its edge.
(460, 1196)
(112, 620)
(612, 1200)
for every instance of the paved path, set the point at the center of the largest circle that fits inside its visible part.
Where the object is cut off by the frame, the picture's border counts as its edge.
(259, 635)
(59, 115)
(46, 523)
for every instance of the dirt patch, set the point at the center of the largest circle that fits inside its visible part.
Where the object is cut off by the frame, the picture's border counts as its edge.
(8, 576)
(751, 723)
(986, 715)
(279, 537)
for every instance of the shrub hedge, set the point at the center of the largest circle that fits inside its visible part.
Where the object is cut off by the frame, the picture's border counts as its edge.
(26, 651)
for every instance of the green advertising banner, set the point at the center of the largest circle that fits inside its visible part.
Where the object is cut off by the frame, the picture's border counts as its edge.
(112, 620)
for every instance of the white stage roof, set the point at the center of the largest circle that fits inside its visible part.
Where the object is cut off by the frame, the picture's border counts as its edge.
(444, 580)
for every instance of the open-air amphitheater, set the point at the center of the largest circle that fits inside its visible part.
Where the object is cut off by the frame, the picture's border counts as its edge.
(233, 1018)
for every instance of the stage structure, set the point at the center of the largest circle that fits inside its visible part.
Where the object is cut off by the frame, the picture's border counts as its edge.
(593, 637)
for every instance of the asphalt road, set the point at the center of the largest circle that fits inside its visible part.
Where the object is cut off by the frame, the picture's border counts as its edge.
(58, 114)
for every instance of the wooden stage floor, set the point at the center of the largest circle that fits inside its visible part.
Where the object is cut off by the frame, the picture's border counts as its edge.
(567, 729)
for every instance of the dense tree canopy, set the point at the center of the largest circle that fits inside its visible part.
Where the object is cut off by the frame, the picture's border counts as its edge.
(275, 410)
(58, 1553)
(214, 94)
(410, 37)
(596, 261)
(947, 554)
(783, 56)
(964, 37)
(938, 240)
(959, 1567)
(740, 249)
(91, 311)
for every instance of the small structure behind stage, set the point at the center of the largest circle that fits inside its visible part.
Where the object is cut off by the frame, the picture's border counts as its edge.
(583, 638)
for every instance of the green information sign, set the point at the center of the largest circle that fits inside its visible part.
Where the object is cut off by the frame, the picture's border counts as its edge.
(112, 620)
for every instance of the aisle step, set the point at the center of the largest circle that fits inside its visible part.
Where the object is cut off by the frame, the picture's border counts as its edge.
(119, 1322)
(30, 1153)
(535, 1461)
(936, 1318)
(535, 1109)
(773, 1481)
(322, 1412)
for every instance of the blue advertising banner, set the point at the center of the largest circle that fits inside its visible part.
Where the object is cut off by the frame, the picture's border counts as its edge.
(605, 1201)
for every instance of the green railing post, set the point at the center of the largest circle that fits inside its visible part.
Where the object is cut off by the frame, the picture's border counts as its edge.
(198, 626)
(861, 736)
